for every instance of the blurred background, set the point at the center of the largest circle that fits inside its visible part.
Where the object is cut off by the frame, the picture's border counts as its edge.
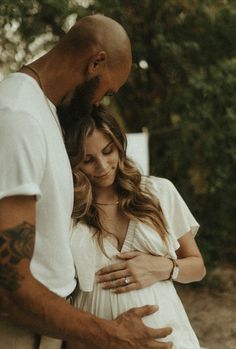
(182, 92)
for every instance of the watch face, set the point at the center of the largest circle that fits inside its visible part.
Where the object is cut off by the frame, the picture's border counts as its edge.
(175, 272)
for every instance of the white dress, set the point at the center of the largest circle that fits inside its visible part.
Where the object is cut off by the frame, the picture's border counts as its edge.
(105, 304)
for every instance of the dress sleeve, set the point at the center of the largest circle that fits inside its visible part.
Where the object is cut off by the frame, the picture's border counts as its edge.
(178, 216)
(83, 247)
(22, 154)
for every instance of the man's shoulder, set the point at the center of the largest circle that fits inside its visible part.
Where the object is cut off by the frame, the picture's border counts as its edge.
(18, 92)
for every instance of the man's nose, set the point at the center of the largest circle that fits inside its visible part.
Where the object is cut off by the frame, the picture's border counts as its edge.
(97, 104)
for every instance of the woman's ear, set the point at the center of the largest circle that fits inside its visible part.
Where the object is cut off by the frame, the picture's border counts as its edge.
(96, 64)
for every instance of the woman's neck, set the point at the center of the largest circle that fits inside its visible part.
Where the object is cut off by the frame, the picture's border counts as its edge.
(105, 195)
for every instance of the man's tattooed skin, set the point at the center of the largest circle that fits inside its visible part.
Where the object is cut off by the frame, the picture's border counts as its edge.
(16, 243)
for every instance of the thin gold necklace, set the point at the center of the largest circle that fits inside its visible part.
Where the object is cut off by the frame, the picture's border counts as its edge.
(107, 204)
(45, 96)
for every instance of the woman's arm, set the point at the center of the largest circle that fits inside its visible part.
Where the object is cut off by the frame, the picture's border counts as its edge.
(189, 260)
(142, 270)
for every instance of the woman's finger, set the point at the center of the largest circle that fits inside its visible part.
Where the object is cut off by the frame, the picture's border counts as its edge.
(113, 276)
(111, 268)
(126, 288)
(128, 255)
(124, 282)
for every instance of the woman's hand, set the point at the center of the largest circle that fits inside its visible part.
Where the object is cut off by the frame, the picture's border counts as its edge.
(136, 270)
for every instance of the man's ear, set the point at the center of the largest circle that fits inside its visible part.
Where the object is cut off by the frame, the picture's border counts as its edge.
(96, 64)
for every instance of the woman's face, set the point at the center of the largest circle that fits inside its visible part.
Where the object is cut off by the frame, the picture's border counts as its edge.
(101, 160)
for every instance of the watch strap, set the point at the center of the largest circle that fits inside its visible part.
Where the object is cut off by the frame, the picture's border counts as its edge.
(174, 265)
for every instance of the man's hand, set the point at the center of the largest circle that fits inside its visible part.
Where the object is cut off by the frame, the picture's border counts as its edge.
(135, 334)
(128, 331)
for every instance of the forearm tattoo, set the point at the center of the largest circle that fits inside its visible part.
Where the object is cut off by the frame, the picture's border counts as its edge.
(16, 244)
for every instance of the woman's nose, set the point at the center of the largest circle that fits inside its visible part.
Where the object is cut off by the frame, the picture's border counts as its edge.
(101, 164)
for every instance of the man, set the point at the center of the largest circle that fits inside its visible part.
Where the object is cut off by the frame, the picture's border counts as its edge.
(36, 194)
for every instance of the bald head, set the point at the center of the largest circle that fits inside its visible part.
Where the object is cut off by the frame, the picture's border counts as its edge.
(95, 48)
(98, 32)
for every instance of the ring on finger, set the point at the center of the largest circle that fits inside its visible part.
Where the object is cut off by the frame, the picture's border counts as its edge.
(126, 280)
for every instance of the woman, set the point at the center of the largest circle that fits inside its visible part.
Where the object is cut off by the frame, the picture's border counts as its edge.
(117, 210)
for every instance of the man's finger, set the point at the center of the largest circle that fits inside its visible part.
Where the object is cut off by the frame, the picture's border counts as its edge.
(164, 345)
(159, 332)
(144, 310)
(147, 310)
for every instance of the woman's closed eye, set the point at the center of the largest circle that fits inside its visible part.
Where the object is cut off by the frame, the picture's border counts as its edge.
(88, 160)
(108, 150)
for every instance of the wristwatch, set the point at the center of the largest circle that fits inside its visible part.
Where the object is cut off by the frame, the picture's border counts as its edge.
(175, 270)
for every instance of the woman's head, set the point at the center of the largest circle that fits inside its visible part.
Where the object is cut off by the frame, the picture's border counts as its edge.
(97, 147)
(97, 151)
(100, 160)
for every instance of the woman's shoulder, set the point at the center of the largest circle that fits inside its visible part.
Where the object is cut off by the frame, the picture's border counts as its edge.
(157, 185)
(176, 211)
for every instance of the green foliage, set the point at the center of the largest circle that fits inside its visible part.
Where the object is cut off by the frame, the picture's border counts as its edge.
(28, 27)
(182, 88)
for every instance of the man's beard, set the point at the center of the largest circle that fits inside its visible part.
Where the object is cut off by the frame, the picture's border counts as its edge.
(80, 105)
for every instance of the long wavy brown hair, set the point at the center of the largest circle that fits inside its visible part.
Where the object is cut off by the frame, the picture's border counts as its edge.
(134, 200)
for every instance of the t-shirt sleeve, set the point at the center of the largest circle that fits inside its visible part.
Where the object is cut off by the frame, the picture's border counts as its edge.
(22, 154)
(178, 216)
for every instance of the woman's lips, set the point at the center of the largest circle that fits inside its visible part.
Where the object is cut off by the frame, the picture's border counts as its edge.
(104, 175)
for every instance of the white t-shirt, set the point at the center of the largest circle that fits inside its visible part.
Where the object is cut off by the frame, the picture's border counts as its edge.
(34, 162)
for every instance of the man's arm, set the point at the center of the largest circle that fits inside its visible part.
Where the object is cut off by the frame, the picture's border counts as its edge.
(26, 301)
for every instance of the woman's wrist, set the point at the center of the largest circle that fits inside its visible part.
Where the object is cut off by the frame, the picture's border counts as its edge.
(174, 271)
(169, 268)
(163, 268)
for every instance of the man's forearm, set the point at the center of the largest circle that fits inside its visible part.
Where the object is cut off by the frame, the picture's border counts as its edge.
(35, 307)
(25, 300)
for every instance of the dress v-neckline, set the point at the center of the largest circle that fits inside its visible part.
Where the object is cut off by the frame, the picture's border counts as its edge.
(128, 239)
